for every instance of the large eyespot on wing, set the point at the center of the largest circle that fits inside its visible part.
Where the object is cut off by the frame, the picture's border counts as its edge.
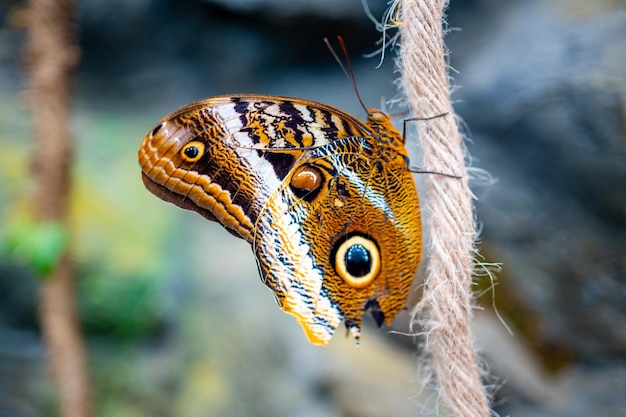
(356, 259)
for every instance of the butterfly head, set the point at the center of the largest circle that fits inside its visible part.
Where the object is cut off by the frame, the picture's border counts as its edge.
(383, 128)
(377, 117)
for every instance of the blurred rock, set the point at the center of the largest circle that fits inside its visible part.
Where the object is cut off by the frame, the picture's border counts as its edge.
(280, 9)
(597, 390)
(544, 99)
(21, 373)
(172, 52)
(543, 93)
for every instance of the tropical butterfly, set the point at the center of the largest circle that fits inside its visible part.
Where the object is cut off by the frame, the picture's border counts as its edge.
(327, 202)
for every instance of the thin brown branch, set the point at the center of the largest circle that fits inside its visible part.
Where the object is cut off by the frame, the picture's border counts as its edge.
(51, 57)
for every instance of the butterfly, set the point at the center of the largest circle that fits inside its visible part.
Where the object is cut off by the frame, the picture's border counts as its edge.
(328, 202)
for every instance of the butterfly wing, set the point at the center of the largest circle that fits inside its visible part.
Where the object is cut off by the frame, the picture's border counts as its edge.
(328, 204)
(350, 243)
(213, 156)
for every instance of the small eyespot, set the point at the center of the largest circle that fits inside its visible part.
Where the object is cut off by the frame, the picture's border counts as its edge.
(357, 261)
(192, 151)
(306, 182)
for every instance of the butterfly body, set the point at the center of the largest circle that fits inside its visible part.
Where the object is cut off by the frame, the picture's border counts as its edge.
(326, 201)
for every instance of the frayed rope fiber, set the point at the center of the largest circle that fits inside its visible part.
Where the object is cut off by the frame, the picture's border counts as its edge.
(445, 311)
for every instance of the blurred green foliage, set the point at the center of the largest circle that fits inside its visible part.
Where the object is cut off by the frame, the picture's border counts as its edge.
(122, 308)
(116, 239)
(39, 244)
(110, 229)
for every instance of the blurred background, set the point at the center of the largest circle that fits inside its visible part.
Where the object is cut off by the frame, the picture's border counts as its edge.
(176, 320)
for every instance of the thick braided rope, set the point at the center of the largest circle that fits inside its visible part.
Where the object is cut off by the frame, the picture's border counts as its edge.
(445, 309)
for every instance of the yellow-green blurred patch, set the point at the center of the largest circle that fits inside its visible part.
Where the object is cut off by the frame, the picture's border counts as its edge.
(114, 218)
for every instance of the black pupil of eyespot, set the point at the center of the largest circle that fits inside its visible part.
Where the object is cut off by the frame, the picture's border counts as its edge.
(191, 152)
(358, 261)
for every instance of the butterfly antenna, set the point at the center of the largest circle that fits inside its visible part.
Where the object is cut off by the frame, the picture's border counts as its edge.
(349, 73)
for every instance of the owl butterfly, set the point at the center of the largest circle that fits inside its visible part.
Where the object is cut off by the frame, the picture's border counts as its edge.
(327, 202)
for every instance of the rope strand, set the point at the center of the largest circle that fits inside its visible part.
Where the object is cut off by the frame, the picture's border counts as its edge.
(445, 310)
